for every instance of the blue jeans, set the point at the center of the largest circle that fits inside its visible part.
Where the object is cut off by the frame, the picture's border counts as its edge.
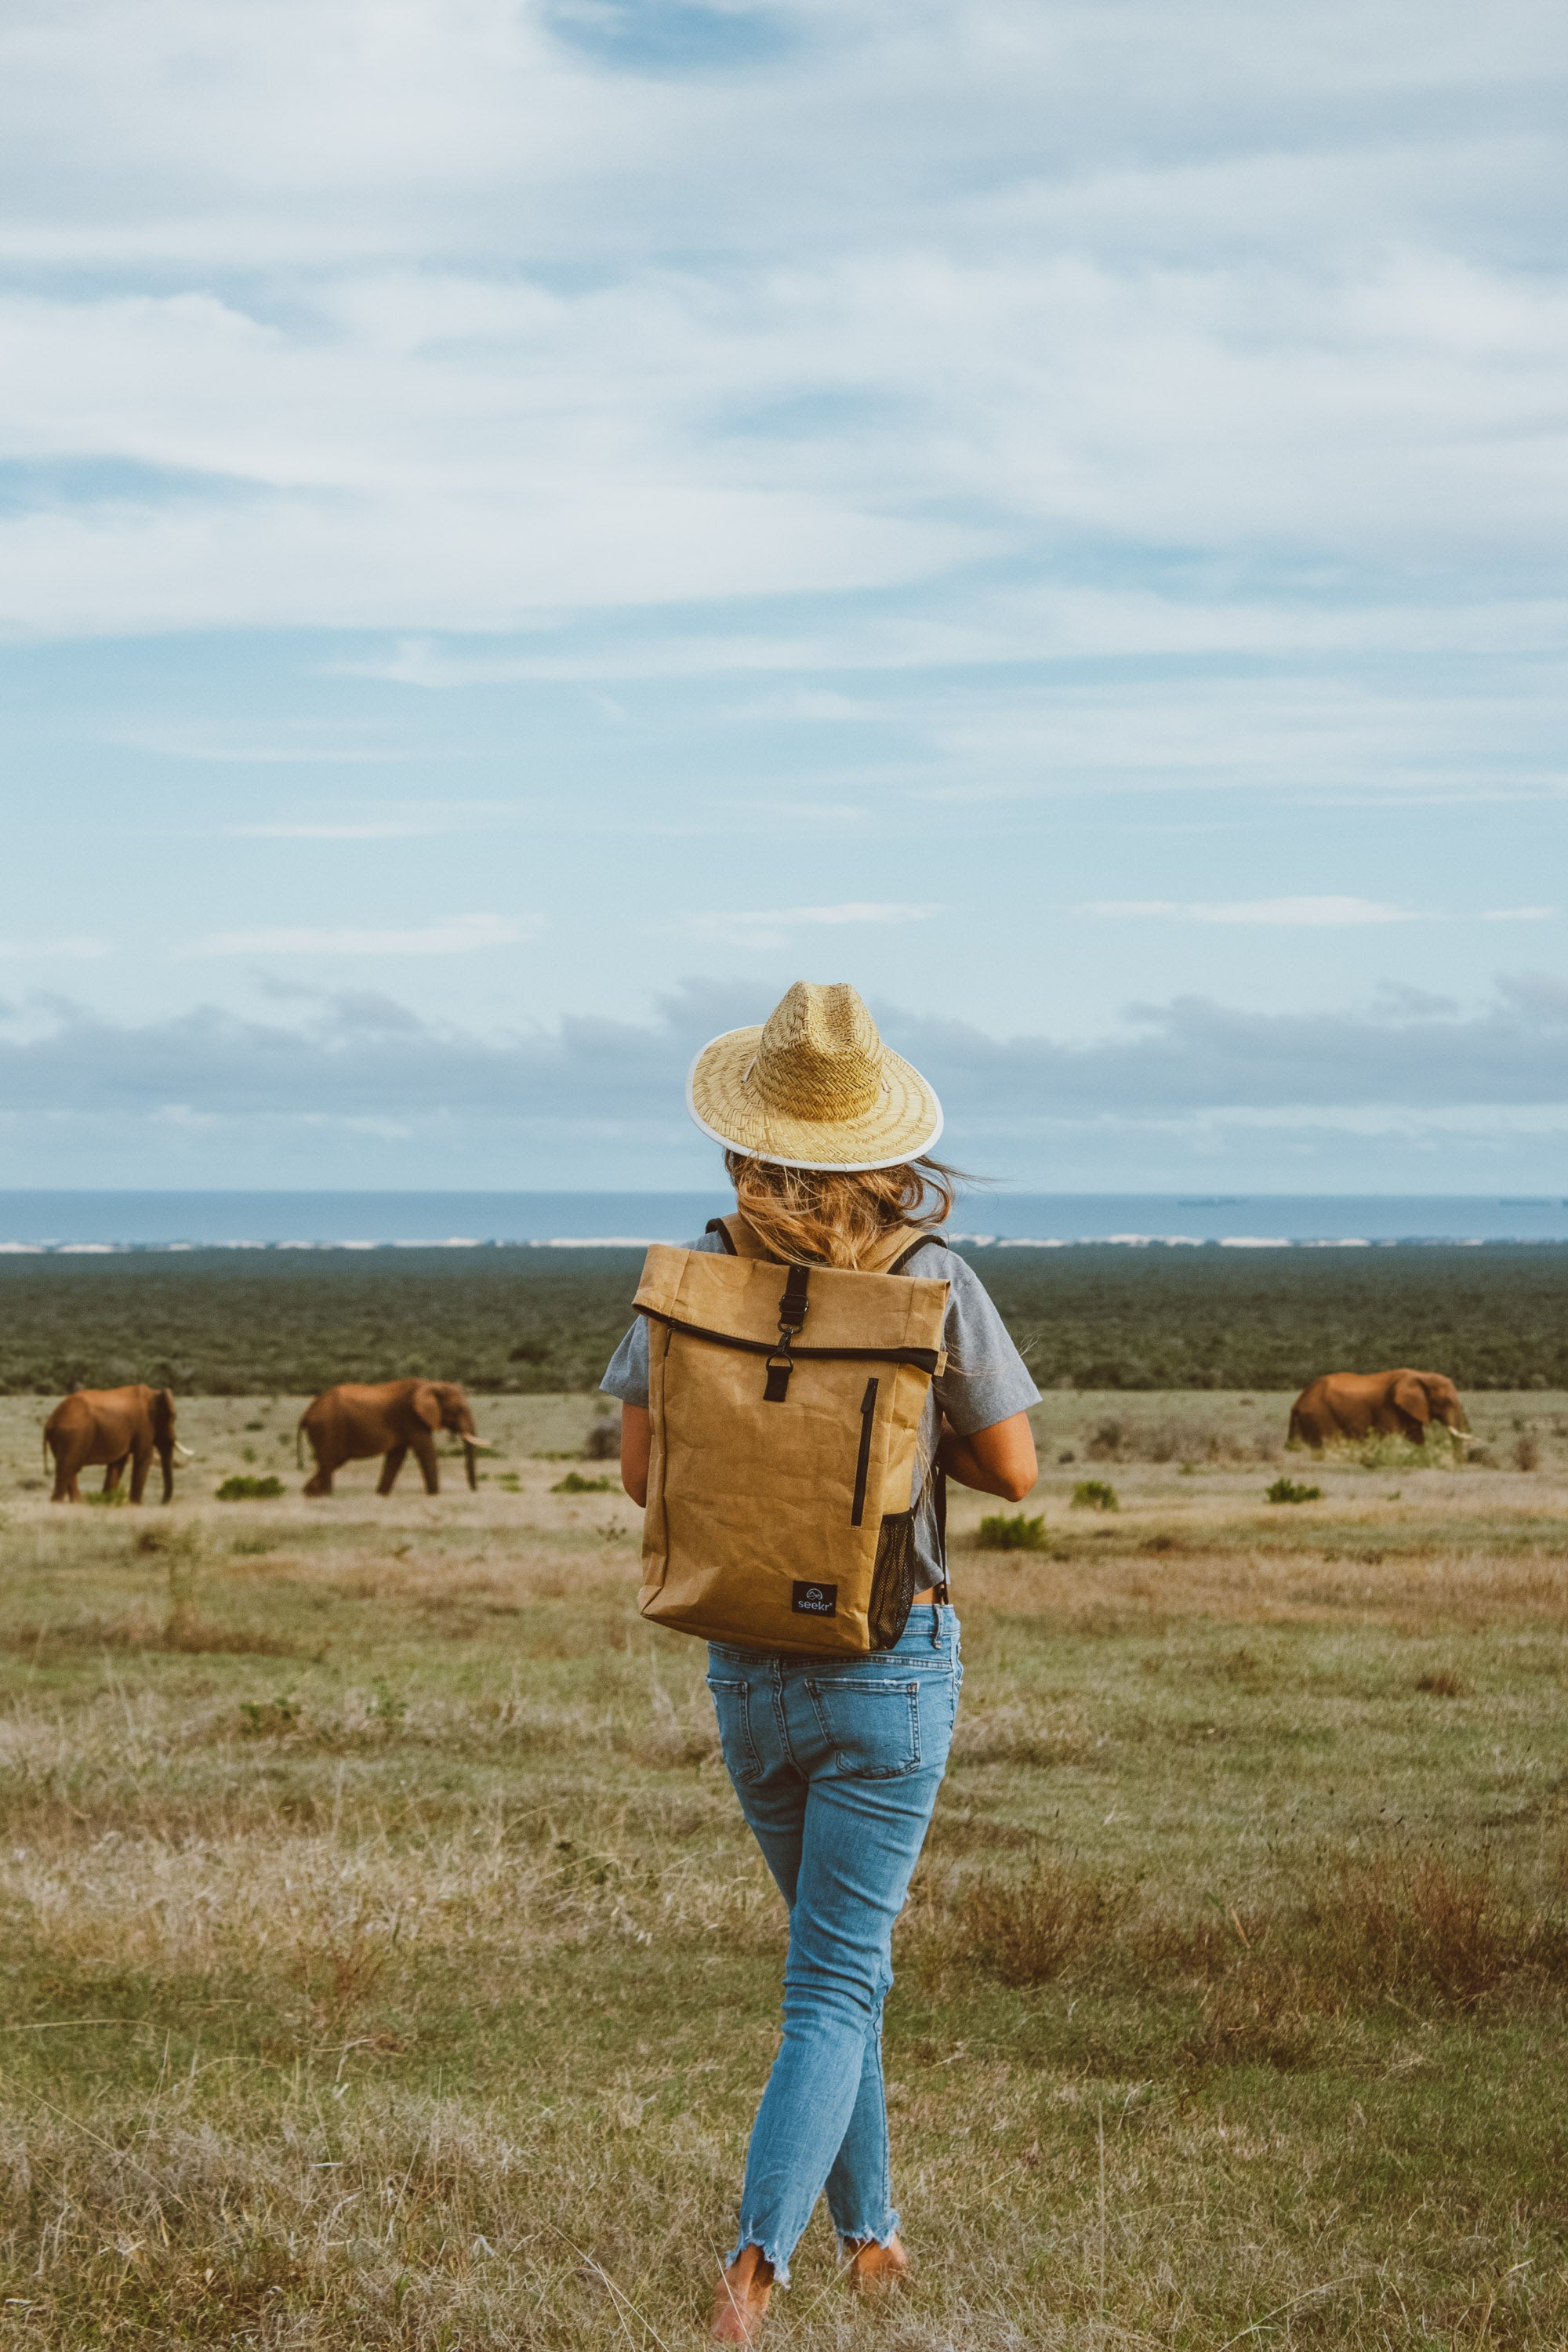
(836, 1764)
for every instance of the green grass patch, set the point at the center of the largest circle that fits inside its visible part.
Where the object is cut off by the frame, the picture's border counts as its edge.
(999, 1532)
(244, 1488)
(576, 1483)
(1285, 1490)
(1095, 1495)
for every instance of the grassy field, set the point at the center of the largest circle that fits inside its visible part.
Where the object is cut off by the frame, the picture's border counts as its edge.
(532, 1322)
(388, 1966)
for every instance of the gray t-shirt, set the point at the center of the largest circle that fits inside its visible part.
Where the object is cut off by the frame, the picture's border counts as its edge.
(985, 1381)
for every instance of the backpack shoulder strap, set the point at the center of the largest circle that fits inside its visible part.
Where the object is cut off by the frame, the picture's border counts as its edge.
(897, 1246)
(901, 1262)
(740, 1237)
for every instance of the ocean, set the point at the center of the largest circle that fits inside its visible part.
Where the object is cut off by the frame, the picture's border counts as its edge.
(82, 1222)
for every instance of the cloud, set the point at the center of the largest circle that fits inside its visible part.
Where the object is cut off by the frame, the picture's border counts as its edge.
(771, 930)
(1408, 1058)
(507, 314)
(74, 950)
(461, 935)
(384, 825)
(1328, 913)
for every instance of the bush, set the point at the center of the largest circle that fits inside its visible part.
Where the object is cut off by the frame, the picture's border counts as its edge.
(603, 1442)
(247, 1489)
(1527, 1452)
(1285, 1490)
(999, 1533)
(1094, 1494)
(575, 1485)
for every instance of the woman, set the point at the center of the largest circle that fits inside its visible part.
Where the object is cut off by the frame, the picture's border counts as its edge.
(827, 1136)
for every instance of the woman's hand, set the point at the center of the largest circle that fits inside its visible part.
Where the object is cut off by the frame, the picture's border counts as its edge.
(636, 1436)
(1000, 1460)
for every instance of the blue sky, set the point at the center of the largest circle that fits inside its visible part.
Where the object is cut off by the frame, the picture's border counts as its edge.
(524, 529)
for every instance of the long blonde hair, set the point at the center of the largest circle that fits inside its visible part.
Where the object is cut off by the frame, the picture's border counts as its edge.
(826, 1216)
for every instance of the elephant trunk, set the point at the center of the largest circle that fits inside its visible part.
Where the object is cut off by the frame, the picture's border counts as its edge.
(470, 1447)
(166, 1457)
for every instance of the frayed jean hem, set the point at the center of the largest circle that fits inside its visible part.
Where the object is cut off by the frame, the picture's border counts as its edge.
(769, 2254)
(858, 2238)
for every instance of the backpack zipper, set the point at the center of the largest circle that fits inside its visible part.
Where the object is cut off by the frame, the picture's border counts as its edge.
(863, 1461)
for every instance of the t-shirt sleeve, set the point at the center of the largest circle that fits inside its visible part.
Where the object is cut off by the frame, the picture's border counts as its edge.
(986, 1379)
(625, 1374)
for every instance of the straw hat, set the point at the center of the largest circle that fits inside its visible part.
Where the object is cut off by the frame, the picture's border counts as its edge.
(814, 1088)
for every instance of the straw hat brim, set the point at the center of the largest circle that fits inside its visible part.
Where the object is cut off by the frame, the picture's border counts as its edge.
(904, 1121)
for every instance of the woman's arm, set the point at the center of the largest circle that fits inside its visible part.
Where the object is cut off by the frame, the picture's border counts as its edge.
(1000, 1460)
(637, 1435)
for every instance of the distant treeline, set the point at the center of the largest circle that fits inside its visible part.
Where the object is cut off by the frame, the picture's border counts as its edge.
(523, 1321)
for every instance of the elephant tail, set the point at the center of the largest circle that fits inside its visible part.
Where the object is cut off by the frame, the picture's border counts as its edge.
(1298, 1434)
(298, 1439)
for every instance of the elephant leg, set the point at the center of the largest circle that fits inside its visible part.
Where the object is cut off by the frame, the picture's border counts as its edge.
(141, 1465)
(64, 1479)
(111, 1474)
(397, 1456)
(425, 1455)
(320, 1480)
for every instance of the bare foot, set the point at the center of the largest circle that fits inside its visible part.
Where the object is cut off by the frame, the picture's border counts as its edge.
(874, 2269)
(740, 2304)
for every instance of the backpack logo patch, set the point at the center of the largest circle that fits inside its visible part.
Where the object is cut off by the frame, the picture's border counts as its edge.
(814, 1600)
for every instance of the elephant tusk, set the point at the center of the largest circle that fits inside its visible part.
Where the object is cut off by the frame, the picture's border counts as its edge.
(183, 1453)
(479, 1444)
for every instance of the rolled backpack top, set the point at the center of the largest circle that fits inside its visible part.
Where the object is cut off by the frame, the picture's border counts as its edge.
(786, 1404)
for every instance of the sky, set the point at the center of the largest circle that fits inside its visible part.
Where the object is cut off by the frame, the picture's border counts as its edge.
(526, 526)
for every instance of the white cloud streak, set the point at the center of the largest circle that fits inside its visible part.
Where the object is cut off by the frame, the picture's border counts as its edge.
(462, 935)
(1312, 914)
(771, 930)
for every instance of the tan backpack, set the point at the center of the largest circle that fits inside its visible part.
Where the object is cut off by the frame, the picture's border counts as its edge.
(785, 1404)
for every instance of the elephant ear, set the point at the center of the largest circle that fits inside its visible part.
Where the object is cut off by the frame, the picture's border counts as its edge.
(427, 1404)
(1410, 1395)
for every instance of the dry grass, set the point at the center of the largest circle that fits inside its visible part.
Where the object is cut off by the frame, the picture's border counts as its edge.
(387, 1965)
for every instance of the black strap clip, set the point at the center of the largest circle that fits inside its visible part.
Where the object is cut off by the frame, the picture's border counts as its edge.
(793, 1311)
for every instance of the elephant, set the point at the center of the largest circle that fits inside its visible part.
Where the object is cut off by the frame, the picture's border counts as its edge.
(112, 1426)
(354, 1421)
(1352, 1405)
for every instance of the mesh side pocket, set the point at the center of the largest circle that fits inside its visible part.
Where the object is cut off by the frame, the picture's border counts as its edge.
(895, 1579)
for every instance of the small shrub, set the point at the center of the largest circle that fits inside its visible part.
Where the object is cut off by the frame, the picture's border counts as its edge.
(1107, 1442)
(1443, 1683)
(572, 1484)
(110, 1502)
(247, 1489)
(1026, 1931)
(260, 1717)
(1094, 1494)
(1000, 1533)
(1527, 1452)
(1285, 1490)
(386, 1706)
(1067, 1456)
(603, 1442)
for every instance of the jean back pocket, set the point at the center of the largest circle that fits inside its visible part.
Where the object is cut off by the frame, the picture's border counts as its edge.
(872, 1728)
(732, 1706)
